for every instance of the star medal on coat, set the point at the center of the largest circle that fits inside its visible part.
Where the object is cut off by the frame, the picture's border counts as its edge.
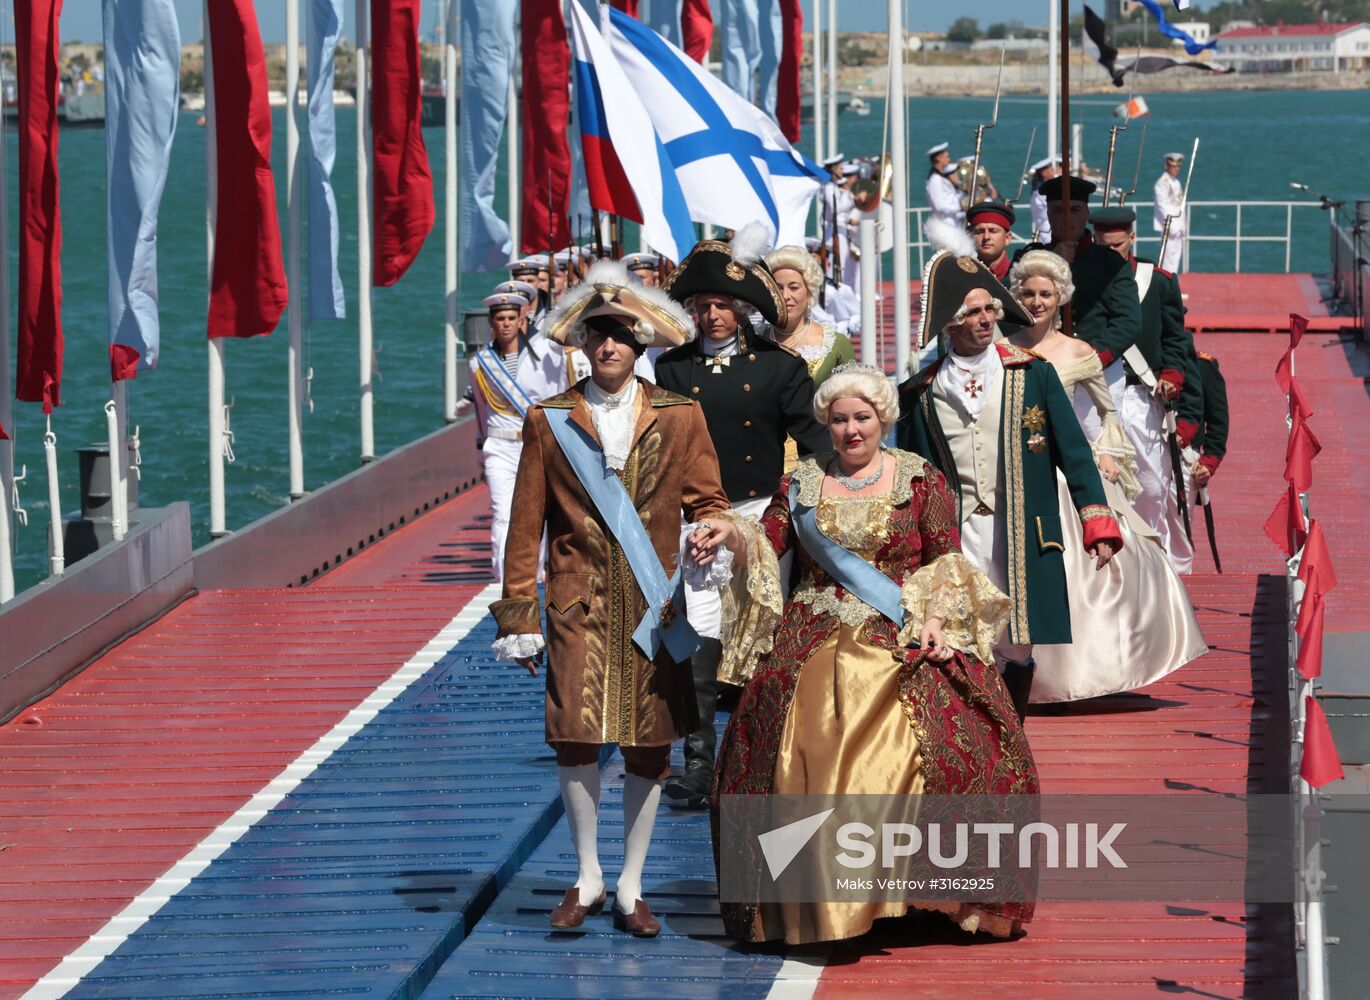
(1037, 444)
(974, 387)
(1034, 419)
(718, 362)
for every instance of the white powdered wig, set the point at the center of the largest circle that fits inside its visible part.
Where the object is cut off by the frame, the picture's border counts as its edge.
(858, 382)
(1042, 264)
(750, 244)
(944, 236)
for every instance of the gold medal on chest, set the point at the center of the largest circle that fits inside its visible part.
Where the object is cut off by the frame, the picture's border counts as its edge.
(1034, 419)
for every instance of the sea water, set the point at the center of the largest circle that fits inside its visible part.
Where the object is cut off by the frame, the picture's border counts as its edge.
(1254, 144)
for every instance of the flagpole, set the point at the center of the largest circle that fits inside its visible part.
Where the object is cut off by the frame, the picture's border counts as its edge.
(512, 163)
(832, 145)
(217, 527)
(818, 135)
(1063, 35)
(6, 381)
(114, 420)
(1053, 78)
(364, 224)
(295, 350)
(451, 279)
(898, 149)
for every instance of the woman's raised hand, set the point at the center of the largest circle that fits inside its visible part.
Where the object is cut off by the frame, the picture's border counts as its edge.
(708, 536)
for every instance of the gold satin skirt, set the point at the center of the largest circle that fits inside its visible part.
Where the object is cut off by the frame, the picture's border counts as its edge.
(846, 732)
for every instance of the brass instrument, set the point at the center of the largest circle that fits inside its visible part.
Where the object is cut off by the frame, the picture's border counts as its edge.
(983, 184)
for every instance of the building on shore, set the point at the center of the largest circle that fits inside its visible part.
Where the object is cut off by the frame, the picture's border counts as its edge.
(1320, 47)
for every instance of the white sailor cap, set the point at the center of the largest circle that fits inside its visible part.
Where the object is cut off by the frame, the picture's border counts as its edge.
(812, 244)
(851, 168)
(641, 261)
(504, 300)
(1174, 157)
(832, 161)
(529, 292)
(941, 147)
(563, 257)
(533, 262)
(1043, 163)
(950, 168)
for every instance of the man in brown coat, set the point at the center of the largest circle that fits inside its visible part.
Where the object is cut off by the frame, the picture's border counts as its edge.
(606, 470)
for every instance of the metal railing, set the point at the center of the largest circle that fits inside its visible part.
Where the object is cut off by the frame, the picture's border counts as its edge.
(1147, 239)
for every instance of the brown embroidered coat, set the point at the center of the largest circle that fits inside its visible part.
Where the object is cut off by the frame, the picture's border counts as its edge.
(600, 688)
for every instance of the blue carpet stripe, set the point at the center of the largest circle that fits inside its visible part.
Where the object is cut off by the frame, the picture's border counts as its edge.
(364, 879)
(512, 952)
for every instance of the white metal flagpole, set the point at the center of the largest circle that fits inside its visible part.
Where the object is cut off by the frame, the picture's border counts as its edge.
(817, 29)
(364, 223)
(6, 384)
(295, 349)
(832, 145)
(57, 560)
(451, 278)
(217, 527)
(511, 135)
(898, 156)
(118, 499)
(1053, 77)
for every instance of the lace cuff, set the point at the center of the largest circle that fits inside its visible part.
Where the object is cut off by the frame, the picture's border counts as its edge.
(1113, 441)
(714, 576)
(511, 648)
(752, 604)
(973, 609)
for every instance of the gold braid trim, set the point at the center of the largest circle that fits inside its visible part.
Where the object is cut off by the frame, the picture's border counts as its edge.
(752, 603)
(974, 611)
(1015, 487)
(1093, 511)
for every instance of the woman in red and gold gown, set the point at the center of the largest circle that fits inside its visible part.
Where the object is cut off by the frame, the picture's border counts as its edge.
(838, 698)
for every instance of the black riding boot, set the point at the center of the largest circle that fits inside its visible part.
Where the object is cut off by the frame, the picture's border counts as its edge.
(692, 787)
(1018, 680)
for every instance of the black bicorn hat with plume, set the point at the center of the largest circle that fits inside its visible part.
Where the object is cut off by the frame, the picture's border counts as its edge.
(736, 268)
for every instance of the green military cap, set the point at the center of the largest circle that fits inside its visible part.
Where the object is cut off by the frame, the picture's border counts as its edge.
(1113, 217)
(1080, 189)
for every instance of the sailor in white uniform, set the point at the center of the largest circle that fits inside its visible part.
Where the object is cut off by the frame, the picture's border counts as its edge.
(841, 304)
(511, 374)
(1169, 197)
(644, 267)
(1042, 171)
(944, 198)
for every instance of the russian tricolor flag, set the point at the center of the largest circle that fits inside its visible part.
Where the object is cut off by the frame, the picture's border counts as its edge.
(633, 177)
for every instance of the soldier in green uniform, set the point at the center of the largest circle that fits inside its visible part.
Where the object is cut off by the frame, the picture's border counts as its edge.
(1211, 440)
(1105, 312)
(1157, 390)
(996, 422)
(754, 394)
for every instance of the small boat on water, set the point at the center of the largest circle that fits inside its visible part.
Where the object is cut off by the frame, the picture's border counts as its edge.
(83, 110)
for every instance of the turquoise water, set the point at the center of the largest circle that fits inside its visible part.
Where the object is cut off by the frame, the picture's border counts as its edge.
(1254, 145)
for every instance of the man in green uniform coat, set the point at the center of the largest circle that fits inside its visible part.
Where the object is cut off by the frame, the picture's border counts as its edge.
(995, 420)
(1156, 388)
(1105, 311)
(1211, 441)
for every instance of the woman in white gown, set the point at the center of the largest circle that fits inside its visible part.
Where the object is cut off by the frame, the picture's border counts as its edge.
(1132, 620)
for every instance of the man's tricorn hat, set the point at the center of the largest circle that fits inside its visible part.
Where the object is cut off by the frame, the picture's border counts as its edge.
(608, 291)
(947, 280)
(738, 269)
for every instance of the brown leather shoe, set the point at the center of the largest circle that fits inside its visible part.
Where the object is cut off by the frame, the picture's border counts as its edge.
(571, 912)
(639, 923)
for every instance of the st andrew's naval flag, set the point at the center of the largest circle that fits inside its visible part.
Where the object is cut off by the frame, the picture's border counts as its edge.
(714, 157)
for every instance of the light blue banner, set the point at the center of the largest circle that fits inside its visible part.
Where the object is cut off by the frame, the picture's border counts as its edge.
(487, 42)
(752, 33)
(326, 300)
(142, 102)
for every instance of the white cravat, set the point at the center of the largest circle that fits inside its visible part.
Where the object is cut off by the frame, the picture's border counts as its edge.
(967, 380)
(614, 415)
(721, 351)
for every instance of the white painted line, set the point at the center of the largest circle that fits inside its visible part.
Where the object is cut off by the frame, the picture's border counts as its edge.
(100, 945)
(799, 974)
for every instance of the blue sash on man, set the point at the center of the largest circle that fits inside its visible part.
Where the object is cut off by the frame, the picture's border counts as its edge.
(848, 570)
(496, 372)
(615, 506)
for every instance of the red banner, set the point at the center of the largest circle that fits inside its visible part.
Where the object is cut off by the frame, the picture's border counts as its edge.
(38, 377)
(1303, 447)
(401, 182)
(1320, 763)
(1310, 627)
(1315, 565)
(628, 7)
(696, 29)
(1298, 326)
(1298, 402)
(247, 291)
(787, 98)
(1285, 525)
(546, 106)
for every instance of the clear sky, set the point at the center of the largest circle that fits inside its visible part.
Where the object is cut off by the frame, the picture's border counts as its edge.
(81, 18)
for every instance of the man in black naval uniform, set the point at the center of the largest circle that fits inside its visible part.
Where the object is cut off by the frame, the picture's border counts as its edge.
(754, 393)
(1105, 311)
(1161, 392)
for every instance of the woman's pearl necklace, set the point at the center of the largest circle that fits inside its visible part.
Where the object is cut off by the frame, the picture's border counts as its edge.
(855, 484)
